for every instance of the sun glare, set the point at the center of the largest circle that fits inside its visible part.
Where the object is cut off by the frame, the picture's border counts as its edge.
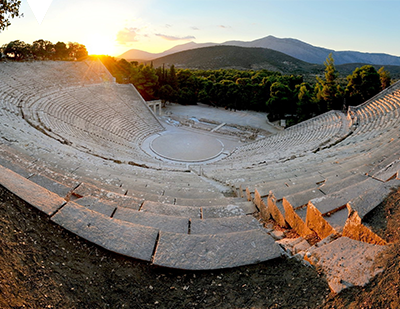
(99, 45)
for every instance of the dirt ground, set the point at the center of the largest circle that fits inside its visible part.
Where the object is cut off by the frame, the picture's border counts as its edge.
(44, 266)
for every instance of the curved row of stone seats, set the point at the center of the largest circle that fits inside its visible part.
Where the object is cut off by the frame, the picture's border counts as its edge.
(82, 107)
(359, 142)
(176, 188)
(103, 118)
(319, 132)
(190, 237)
(42, 74)
(288, 190)
(353, 178)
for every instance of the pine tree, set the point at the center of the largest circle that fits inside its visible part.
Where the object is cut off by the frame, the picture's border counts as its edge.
(329, 92)
(385, 78)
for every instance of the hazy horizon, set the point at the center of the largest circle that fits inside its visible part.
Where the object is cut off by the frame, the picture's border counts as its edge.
(158, 25)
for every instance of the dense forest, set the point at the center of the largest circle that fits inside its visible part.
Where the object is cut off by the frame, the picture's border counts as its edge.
(43, 50)
(282, 96)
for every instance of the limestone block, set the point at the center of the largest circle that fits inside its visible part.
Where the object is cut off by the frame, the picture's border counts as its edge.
(346, 262)
(202, 252)
(389, 172)
(261, 205)
(257, 198)
(85, 189)
(302, 198)
(301, 246)
(35, 195)
(171, 210)
(334, 184)
(354, 229)
(337, 219)
(248, 195)
(277, 235)
(107, 197)
(161, 222)
(15, 168)
(51, 185)
(294, 220)
(317, 223)
(339, 199)
(276, 210)
(98, 205)
(233, 210)
(224, 225)
(370, 199)
(125, 238)
(289, 243)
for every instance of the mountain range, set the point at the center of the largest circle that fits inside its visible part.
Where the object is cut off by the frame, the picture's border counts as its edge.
(292, 47)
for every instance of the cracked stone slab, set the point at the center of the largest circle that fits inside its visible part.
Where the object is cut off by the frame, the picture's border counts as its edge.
(97, 205)
(122, 237)
(346, 262)
(51, 185)
(388, 172)
(161, 222)
(15, 168)
(332, 201)
(370, 199)
(224, 225)
(202, 252)
(35, 195)
(171, 210)
(232, 210)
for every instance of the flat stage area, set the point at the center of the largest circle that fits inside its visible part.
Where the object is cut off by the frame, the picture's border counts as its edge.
(187, 147)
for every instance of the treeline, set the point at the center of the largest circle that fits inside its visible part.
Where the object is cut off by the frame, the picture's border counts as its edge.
(43, 50)
(282, 96)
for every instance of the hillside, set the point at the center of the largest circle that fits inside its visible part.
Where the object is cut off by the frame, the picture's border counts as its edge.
(139, 55)
(234, 57)
(292, 47)
(318, 55)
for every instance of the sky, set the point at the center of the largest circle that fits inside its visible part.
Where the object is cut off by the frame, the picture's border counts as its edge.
(113, 27)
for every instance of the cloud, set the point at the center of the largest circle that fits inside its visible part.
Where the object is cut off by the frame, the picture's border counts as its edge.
(224, 27)
(128, 35)
(194, 28)
(175, 38)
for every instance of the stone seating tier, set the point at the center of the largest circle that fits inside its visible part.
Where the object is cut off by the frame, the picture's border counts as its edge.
(321, 176)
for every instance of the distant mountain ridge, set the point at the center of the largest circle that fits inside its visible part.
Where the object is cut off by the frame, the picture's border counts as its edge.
(236, 57)
(292, 47)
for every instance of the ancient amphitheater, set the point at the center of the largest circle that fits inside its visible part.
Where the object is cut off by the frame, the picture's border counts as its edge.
(95, 158)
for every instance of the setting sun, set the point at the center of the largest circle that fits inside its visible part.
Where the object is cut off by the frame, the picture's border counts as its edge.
(99, 45)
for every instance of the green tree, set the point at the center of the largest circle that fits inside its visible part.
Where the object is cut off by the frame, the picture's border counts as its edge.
(145, 80)
(9, 9)
(166, 93)
(385, 78)
(279, 103)
(18, 50)
(39, 49)
(306, 106)
(363, 84)
(172, 80)
(77, 51)
(328, 91)
(61, 50)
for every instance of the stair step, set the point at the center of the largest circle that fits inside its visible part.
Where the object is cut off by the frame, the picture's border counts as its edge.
(118, 236)
(224, 225)
(201, 252)
(35, 195)
(161, 222)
